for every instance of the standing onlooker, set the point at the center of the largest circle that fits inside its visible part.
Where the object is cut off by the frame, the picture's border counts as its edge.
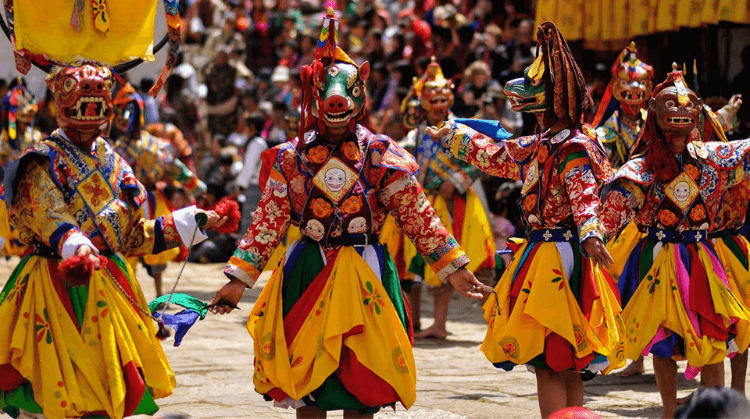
(247, 179)
(150, 105)
(222, 99)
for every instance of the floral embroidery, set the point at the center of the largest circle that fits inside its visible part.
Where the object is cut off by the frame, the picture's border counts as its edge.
(399, 361)
(529, 202)
(318, 154)
(18, 289)
(41, 327)
(373, 300)
(510, 346)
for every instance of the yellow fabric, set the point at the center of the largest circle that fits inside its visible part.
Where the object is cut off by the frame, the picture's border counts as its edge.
(737, 276)
(292, 235)
(301, 366)
(549, 306)
(621, 248)
(162, 208)
(9, 234)
(476, 233)
(394, 239)
(79, 372)
(621, 20)
(43, 27)
(659, 303)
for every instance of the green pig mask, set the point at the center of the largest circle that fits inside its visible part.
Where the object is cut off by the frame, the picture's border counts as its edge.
(340, 94)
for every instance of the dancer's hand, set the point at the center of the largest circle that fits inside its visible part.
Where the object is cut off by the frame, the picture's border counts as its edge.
(214, 220)
(87, 252)
(466, 284)
(735, 101)
(438, 133)
(446, 190)
(232, 292)
(597, 252)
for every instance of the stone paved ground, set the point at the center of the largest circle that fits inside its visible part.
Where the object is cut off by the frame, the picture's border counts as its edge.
(214, 368)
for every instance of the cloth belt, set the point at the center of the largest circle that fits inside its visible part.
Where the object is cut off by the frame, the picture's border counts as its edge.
(356, 240)
(671, 236)
(569, 235)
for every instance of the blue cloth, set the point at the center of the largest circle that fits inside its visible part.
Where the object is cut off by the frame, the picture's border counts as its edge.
(631, 277)
(180, 322)
(492, 129)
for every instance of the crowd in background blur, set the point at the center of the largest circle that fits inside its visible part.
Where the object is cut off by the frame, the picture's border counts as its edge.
(236, 88)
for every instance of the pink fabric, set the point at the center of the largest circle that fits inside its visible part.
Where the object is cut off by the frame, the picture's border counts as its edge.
(683, 284)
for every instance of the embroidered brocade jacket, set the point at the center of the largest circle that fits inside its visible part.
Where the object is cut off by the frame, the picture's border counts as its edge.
(332, 190)
(562, 174)
(153, 159)
(691, 201)
(56, 189)
(436, 165)
(618, 134)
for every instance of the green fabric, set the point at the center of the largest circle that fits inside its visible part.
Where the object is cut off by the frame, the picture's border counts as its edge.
(647, 258)
(78, 298)
(735, 248)
(22, 397)
(182, 300)
(332, 395)
(572, 156)
(12, 280)
(417, 265)
(306, 268)
(147, 406)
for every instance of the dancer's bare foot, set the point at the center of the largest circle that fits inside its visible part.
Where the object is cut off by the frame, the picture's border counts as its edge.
(432, 332)
(635, 368)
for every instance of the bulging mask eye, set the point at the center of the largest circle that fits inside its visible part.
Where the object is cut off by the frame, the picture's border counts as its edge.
(669, 103)
(690, 105)
(69, 84)
(356, 91)
(536, 82)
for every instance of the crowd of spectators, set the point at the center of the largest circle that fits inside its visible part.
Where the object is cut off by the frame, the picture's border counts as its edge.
(235, 90)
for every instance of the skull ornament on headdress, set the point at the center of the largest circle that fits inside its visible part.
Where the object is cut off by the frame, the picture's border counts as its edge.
(630, 87)
(553, 83)
(83, 97)
(333, 86)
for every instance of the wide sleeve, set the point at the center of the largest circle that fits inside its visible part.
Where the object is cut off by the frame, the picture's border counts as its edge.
(39, 213)
(583, 191)
(146, 237)
(270, 223)
(402, 195)
(727, 117)
(480, 151)
(621, 204)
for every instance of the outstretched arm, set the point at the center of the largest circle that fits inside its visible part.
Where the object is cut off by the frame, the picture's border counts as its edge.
(402, 195)
(477, 149)
(270, 223)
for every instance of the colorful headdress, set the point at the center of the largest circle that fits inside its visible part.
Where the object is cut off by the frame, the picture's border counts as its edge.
(18, 105)
(313, 76)
(629, 68)
(119, 31)
(129, 104)
(565, 88)
(432, 80)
